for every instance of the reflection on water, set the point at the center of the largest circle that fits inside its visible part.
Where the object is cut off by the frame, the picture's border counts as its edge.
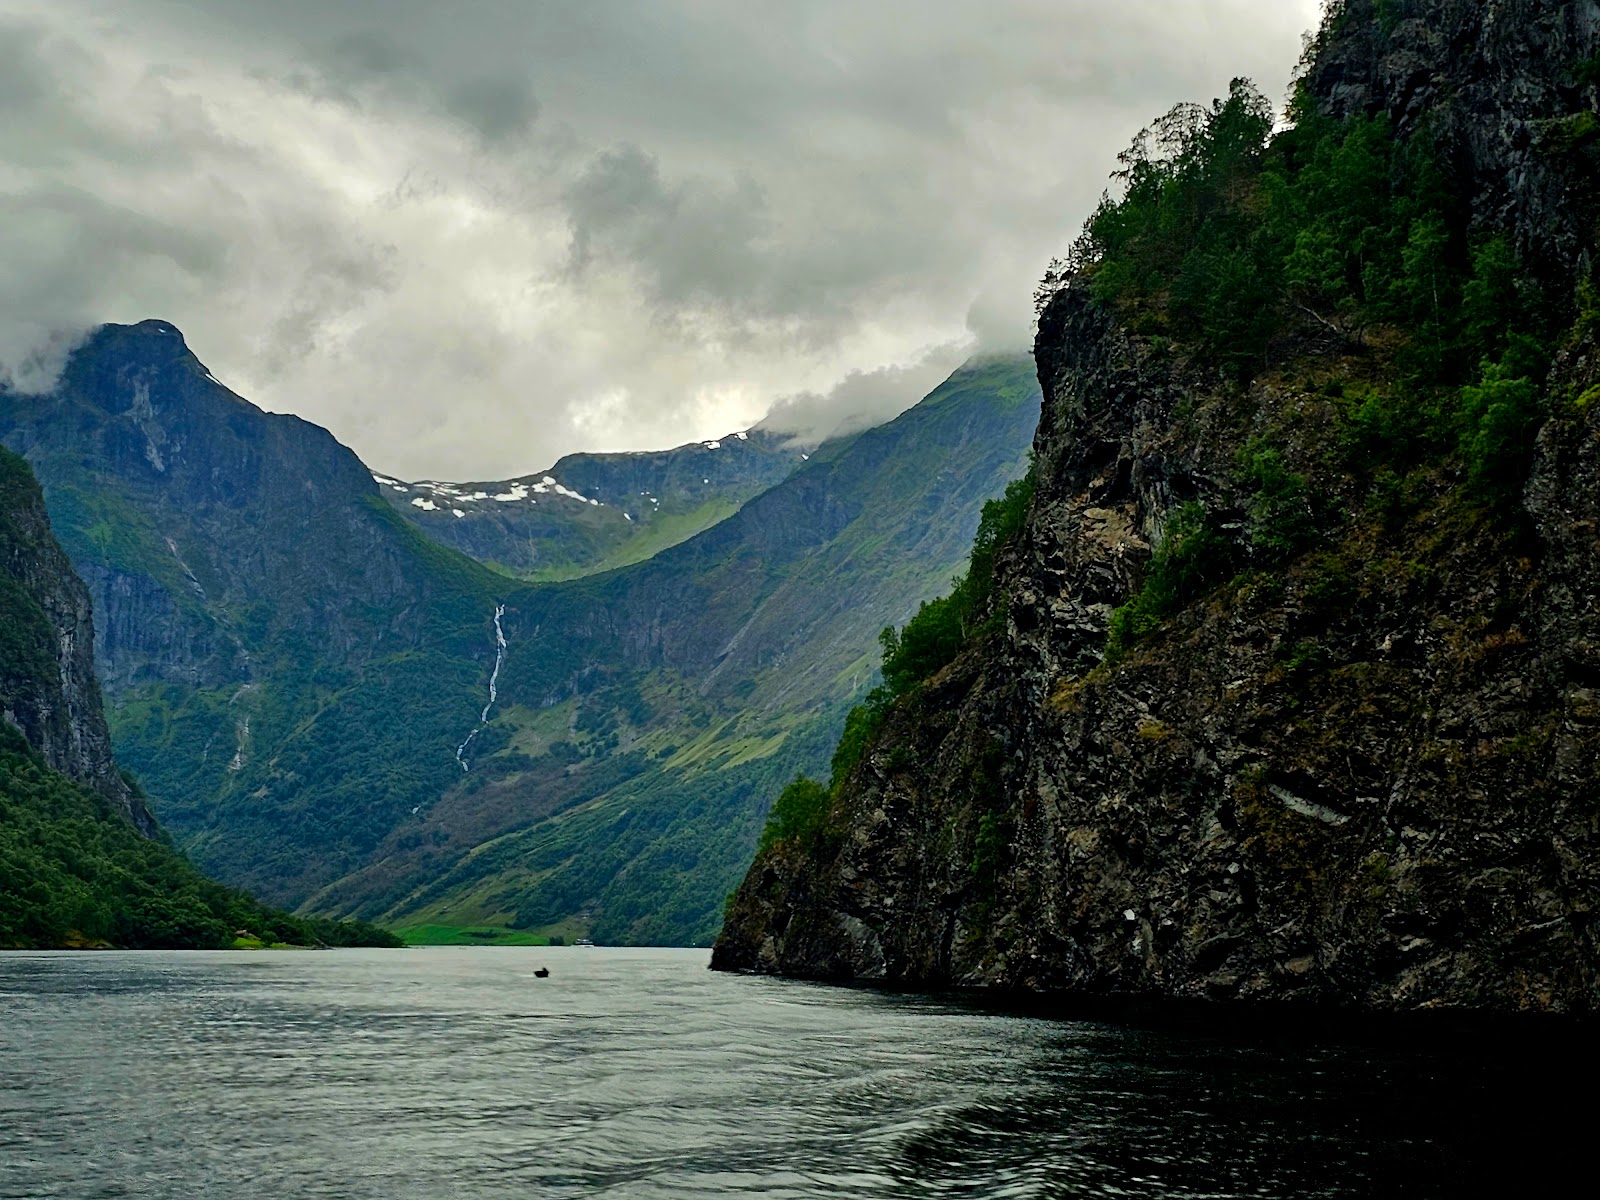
(636, 1073)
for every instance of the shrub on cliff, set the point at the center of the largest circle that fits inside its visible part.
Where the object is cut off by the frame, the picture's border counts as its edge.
(798, 813)
(932, 638)
(1191, 558)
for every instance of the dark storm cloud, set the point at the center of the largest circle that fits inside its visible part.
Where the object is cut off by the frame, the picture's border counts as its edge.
(472, 236)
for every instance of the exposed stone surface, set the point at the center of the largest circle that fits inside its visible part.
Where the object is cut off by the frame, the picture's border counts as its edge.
(1408, 819)
(48, 689)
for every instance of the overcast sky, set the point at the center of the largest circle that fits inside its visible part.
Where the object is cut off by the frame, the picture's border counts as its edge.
(469, 237)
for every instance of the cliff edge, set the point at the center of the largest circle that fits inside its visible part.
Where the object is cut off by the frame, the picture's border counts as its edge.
(48, 689)
(1287, 690)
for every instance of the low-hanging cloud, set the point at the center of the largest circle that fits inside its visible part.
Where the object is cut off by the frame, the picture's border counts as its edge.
(863, 398)
(469, 239)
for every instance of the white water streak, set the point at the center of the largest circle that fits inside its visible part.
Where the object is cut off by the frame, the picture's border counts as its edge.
(494, 685)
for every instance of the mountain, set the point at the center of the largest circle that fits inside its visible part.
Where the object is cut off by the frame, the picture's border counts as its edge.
(647, 716)
(336, 711)
(1285, 687)
(289, 664)
(594, 512)
(82, 860)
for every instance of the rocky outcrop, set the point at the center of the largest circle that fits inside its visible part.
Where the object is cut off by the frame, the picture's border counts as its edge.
(48, 689)
(1367, 781)
(1501, 88)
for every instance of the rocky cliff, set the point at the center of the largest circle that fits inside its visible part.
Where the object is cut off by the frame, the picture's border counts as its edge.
(1351, 755)
(48, 689)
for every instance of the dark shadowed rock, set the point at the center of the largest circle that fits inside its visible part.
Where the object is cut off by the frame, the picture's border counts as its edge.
(48, 689)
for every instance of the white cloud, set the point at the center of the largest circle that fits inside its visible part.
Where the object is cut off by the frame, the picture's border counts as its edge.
(469, 240)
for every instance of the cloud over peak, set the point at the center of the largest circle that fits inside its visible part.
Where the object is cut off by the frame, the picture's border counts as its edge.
(469, 239)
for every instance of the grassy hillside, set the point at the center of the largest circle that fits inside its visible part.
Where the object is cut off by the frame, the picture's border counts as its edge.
(651, 715)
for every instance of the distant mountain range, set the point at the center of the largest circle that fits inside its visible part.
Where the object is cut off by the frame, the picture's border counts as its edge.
(338, 706)
(593, 512)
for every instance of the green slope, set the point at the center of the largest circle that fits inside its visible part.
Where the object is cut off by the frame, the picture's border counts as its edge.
(657, 711)
(75, 870)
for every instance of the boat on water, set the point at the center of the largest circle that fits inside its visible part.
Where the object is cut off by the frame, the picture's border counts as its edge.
(583, 942)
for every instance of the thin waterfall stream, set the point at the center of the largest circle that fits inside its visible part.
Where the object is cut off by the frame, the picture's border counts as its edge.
(494, 683)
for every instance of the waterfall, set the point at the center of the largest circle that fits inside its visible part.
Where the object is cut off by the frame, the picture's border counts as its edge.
(494, 686)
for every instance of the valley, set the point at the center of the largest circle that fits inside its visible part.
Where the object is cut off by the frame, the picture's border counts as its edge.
(297, 656)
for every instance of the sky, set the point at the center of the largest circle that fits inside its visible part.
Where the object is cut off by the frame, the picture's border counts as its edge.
(469, 236)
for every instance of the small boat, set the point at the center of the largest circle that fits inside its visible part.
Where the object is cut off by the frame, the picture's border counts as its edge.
(584, 942)
(542, 973)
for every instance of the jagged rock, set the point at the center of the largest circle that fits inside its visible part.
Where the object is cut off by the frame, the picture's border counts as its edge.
(48, 689)
(1413, 825)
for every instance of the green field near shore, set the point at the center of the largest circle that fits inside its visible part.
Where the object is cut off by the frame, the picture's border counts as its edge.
(471, 935)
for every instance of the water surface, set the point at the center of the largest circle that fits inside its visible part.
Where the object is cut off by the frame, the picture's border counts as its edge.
(439, 1074)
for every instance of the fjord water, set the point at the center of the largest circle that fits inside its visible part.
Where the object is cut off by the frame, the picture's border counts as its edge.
(451, 1073)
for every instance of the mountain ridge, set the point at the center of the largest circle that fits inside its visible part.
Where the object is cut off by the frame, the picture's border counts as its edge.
(593, 512)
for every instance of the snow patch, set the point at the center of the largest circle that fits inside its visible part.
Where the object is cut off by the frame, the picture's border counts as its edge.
(743, 437)
(424, 505)
(519, 491)
(712, 445)
(457, 513)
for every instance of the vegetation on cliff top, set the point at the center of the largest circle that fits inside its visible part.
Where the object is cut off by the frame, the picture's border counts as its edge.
(1246, 249)
(1243, 247)
(1233, 240)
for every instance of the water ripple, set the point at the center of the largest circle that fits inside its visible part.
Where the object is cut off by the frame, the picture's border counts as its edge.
(433, 1074)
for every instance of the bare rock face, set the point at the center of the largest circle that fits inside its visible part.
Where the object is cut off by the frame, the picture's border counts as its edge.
(1371, 783)
(48, 689)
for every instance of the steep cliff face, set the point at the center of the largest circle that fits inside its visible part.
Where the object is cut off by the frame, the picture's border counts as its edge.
(48, 689)
(1361, 776)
